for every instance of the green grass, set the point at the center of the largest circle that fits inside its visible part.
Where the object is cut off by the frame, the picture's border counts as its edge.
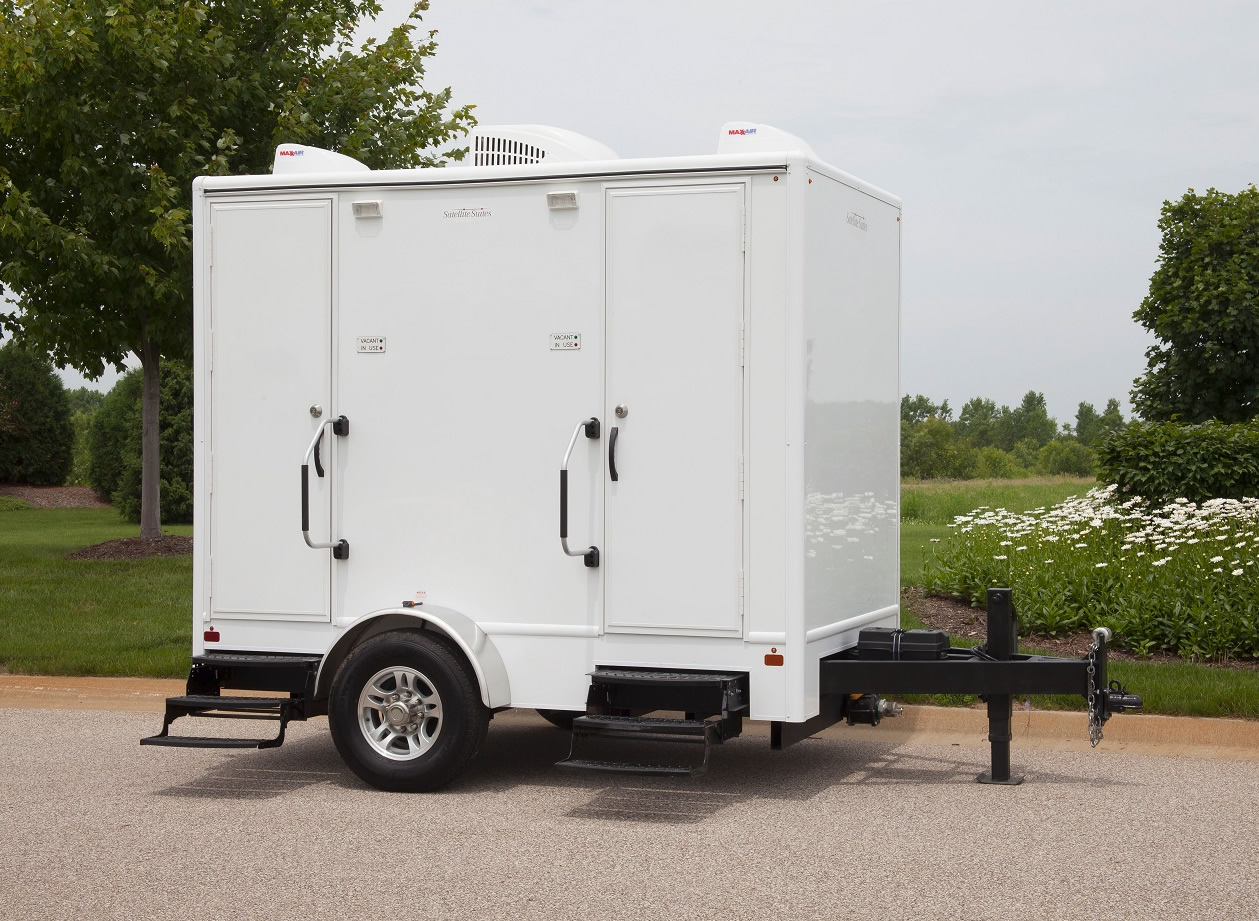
(86, 617)
(928, 508)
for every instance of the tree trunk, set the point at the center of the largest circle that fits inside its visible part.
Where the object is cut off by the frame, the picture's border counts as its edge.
(150, 444)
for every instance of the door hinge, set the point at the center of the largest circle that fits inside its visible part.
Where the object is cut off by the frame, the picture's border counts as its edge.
(740, 594)
(743, 344)
(209, 352)
(209, 474)
(209, 575)
(743, 228)
(210, 247)
(740, 478)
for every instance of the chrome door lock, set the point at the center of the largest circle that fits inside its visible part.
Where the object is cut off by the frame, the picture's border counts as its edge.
(622, 411)
(316, 411)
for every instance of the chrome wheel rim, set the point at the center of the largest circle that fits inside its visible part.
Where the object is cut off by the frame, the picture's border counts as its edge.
(400, 713)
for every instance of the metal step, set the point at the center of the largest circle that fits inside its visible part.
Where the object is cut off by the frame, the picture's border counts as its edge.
(625, 767)
(664, 729)
(214, 671)
(212, 705)
(673, 679)
(206, 742)
(198, 704)
(272, 660)
(639, 730)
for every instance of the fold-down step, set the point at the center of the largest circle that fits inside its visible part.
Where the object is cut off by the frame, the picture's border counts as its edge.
(642, 736)
(213, 705)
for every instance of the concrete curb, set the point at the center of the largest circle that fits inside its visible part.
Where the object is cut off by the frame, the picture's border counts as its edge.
(1165, 736)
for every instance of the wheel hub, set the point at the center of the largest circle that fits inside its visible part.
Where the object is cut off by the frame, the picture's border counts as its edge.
(400, 713)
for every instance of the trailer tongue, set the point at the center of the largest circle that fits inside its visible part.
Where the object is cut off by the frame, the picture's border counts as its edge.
(996, 671)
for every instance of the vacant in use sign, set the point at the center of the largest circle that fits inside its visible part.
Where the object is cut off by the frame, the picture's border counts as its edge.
(368, 345)
(564, 341)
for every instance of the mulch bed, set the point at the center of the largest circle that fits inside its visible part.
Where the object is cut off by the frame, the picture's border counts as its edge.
(55, 496)
(126, 548)
(134, 548)
(959, 619)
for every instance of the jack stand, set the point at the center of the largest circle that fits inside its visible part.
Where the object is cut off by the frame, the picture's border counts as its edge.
(1003, 638)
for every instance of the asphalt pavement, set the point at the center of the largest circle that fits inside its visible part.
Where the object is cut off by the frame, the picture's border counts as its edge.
(855, 824)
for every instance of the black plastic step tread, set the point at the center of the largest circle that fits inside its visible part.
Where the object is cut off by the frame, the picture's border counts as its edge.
(205, 742)
(216, 702)
(639, 676)
(623, 767)
(643, 724)
(250, 658)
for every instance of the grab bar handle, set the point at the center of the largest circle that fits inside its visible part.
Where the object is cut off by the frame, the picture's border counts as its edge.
(341, 548)
(591, 554)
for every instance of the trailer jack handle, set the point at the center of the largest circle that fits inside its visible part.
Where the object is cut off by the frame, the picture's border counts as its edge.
(341, 548)
(591, 554)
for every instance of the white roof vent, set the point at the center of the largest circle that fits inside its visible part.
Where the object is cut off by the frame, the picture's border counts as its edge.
(512, 145)
(297, 158)
(738, 137)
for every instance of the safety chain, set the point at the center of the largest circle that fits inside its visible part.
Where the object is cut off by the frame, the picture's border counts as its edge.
(1095, 718)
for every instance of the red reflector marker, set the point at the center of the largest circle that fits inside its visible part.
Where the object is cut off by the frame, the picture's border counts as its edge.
(773, 660)
(212, 636)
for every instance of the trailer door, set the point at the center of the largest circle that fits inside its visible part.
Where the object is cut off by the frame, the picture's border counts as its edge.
(270, 373)
(674, 389)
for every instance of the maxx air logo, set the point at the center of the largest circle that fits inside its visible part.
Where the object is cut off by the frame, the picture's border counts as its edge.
(291, 153)
(733, 131)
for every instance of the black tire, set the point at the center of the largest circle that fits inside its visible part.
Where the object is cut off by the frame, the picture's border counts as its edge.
(422, 668)
(561, 718)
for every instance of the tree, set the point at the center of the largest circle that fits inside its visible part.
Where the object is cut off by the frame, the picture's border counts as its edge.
(1203, 307)
(919, 409)
(110, 108)
(38, 439)
(1091, 427)
(1030, 420)
(976, 421)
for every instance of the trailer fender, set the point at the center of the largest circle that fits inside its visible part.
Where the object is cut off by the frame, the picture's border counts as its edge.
(473, 642)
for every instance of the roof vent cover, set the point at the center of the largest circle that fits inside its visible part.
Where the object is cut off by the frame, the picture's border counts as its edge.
(514, 145)
(502, 151)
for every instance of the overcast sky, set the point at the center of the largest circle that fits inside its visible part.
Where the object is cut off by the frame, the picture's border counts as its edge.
(1032, 144)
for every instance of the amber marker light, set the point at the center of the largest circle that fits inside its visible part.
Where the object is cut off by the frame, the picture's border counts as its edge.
(773, 659)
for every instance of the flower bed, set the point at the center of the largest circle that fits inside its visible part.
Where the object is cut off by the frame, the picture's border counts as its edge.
(1182, 578)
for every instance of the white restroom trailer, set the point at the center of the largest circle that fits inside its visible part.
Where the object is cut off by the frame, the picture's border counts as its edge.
(708, 345)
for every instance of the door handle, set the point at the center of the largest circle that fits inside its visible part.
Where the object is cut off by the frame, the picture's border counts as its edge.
(616, 430)
(340, 549)
(591, 554)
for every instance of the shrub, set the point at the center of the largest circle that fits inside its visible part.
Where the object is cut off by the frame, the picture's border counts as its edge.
(929, 450)
(38, 441)
(83, 406)
(1183, 578)
(1170, 460)
(1026, 453)
(116, 450)
(995, 464)
(1066, 456)
(114, 425)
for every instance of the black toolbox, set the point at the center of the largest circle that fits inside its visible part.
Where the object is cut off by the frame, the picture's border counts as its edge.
(888, 643)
